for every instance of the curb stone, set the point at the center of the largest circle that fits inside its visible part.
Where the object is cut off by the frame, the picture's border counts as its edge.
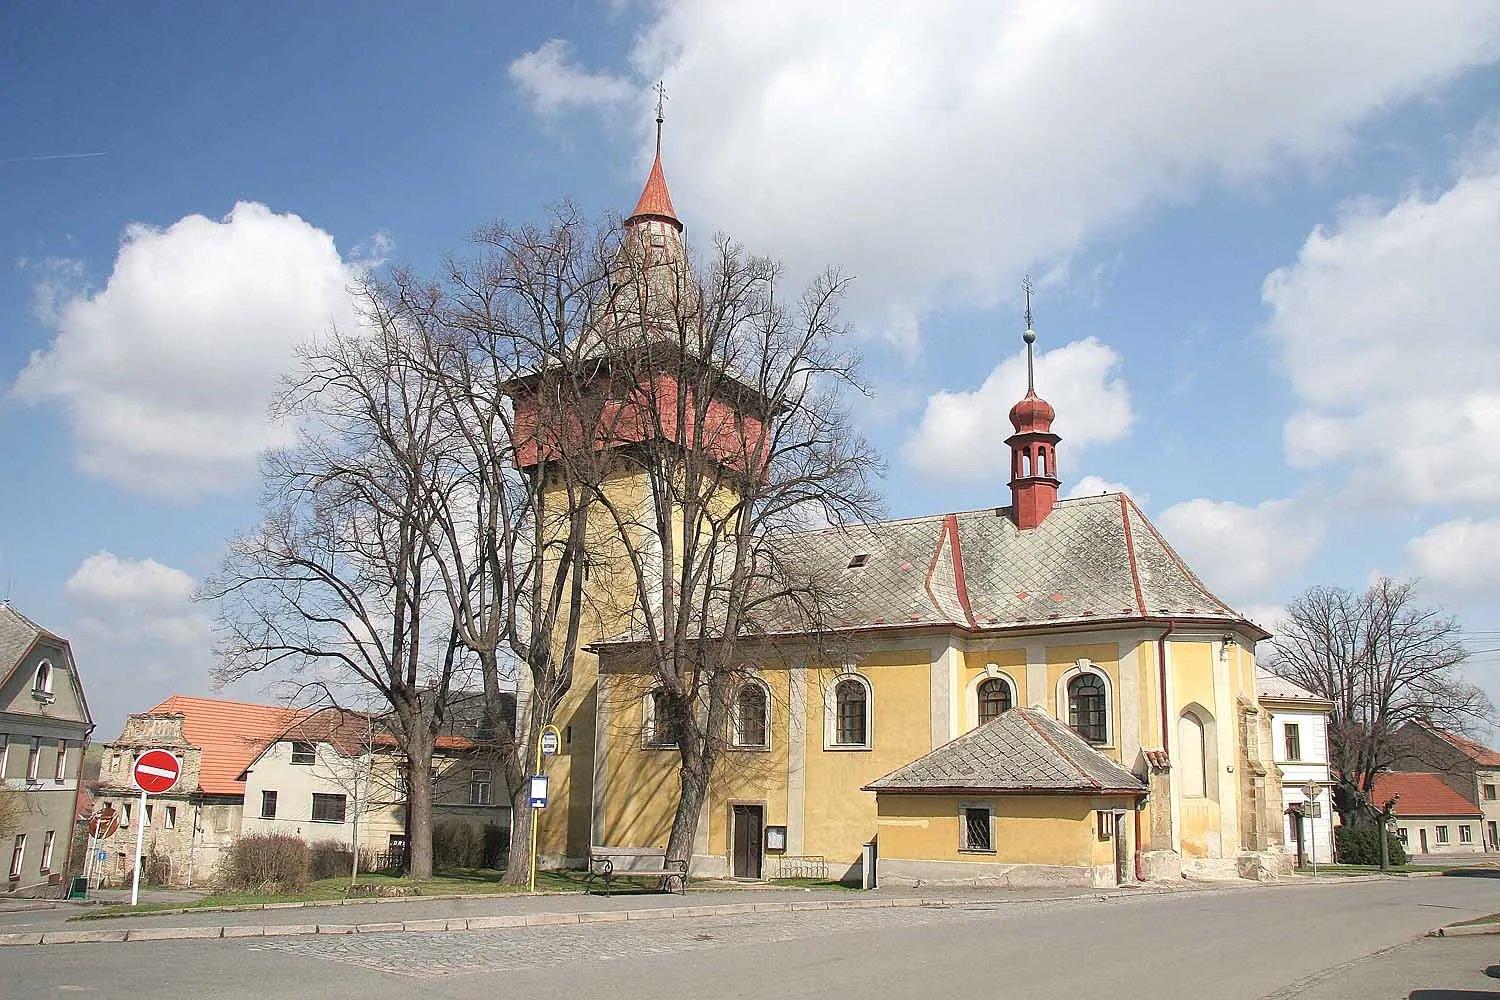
(171, 933)
(83, 937)
(1470, 930)
(10, 940)
(290, 930)
(245, 931)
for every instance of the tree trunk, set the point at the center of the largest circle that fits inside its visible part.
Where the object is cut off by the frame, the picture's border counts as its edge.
(692, 790)
(518, 867)
(419, 808)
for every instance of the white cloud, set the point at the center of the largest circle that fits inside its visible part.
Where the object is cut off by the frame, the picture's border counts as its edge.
(137, 600)
(1244, 554)
(1458, 558)
(553, 81)
(167, 371)
(962, 434)
(936, 150)
(1092, 486)
(1385, 326)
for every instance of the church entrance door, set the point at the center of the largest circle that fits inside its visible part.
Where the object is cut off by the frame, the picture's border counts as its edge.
(749, 821)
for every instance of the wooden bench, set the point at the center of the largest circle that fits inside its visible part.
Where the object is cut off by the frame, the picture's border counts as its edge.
(649, 863)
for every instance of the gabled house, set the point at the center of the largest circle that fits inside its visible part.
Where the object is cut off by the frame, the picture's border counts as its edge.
(1471, 769)
(1431, 818)
(1299, 747)
(44, 727)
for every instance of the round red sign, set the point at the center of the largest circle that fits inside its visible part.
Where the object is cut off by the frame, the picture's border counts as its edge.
(155, 771)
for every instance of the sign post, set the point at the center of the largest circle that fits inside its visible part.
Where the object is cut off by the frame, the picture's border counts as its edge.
(547, 745)
(155, 771)
(102, 825)
(1310, 792)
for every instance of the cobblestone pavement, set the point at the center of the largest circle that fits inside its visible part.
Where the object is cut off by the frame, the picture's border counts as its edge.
(457, 953)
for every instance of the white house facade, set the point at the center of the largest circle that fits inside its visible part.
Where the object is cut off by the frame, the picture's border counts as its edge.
(1299, 733)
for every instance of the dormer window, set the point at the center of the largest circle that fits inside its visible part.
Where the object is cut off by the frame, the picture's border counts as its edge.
(41, 684)
(859, 560)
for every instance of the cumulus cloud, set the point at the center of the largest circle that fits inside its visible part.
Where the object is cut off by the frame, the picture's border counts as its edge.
(552, 80)
(936, 150)
(1243, 553)
(166, 372)
(1385, 326)
(1092, 486)
(1458, 558)
(962, 433)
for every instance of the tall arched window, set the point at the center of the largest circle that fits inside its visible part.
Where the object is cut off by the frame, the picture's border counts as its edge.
(658, 727)
(1088, 708)
(43, 682)
(1192, 756)
(751, 712)
(851, 712)
(994, 698)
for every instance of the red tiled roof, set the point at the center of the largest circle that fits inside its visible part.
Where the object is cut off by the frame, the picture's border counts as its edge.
(231, 735)
(1477, 752)
(1421, 794)
(655, 200)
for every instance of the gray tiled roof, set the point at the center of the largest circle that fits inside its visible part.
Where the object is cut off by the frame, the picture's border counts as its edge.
(17, 633)
(1268, 685)
(1024, 750)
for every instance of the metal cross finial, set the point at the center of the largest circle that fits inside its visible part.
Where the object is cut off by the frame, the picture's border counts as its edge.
(1030, 337)
(661, 100)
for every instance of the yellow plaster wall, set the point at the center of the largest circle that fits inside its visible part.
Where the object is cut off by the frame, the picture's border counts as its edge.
(753, 777)
(641, 793)
(1029, 829)
(839, 817)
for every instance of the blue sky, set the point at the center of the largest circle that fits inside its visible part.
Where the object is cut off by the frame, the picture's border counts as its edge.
(1264, 238)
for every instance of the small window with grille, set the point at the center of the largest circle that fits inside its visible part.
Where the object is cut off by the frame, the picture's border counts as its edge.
(977, 829)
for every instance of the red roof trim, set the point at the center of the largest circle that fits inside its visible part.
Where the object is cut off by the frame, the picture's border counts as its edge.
(950, 525)
(1135, 571)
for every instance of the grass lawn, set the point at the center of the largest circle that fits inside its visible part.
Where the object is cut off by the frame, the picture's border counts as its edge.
(451, 881)
(1370, 869)
(1493, 918)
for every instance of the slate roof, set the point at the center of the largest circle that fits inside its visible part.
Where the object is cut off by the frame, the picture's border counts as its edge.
(17, 634)
(1024, 750)
(1422, 794)
(1269, 686)
(1093, 559)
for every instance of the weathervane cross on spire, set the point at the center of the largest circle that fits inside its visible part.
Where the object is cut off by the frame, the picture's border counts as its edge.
(661, 100)
(1030, 337)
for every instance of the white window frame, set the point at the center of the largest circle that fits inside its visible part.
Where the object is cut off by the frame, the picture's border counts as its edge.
(1440, 834)
(1288, 729)
(1111, 703)
(47, 842)
(60, 772)
(34, 759)
(734, 712)
(481, 790)
(1465, 834)
(992, 672)
(292, 753)
(831, 713)
(41, 681)
(4, 754)
(169, 817)
(17, 857)
(650, 740)
(963, 827)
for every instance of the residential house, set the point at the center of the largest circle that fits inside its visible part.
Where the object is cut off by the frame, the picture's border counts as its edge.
(44, 728)
(1077, 610)
(1299, 744)
(1430, 817)
(1471, 769)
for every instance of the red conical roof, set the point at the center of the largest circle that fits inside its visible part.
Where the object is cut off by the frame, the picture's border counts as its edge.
(656, 201)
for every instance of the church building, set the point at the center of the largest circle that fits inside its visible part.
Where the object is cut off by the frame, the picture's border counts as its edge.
(1038, 692)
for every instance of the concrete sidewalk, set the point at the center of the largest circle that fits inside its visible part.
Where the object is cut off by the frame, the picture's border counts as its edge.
(499, 911)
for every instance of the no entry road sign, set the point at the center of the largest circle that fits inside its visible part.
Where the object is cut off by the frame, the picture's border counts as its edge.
(155, 771)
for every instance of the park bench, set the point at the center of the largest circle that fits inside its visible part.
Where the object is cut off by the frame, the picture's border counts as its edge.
(646, 863)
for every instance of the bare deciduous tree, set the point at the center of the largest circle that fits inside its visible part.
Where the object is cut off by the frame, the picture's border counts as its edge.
(336, 585)
(1384, 660)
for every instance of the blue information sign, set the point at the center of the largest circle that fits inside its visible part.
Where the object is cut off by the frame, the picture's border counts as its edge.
(538, 791)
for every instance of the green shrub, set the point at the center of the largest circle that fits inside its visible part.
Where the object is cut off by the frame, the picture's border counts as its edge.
(1360, 845)
(266, 863)
(455, 845)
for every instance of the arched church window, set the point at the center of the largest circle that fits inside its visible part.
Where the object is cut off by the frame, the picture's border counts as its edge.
(851, 701)
(751, 711)
(1192, 756)
(42, 683)
(1088, 708)
(994, 698)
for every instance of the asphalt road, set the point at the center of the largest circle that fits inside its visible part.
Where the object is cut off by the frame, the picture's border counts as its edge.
(1312, 941)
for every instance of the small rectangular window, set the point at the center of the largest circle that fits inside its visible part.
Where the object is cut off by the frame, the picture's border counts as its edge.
(17, 856)
(303, 752)
(859, 560)
(976, 829)
(1442, 834)
(479, 787)
(1106, 825)
(1489, 793)
(327, 808)
(149, 810)
(171, 817)
(34, 759)
(47, 840)
(1401, 834)
(125, 813)
(267, 805)
(1465, 835)
(1293, 741)
(60, 771)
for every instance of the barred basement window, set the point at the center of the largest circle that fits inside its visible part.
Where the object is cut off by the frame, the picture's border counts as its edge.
(976, 829)
(327, 808)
